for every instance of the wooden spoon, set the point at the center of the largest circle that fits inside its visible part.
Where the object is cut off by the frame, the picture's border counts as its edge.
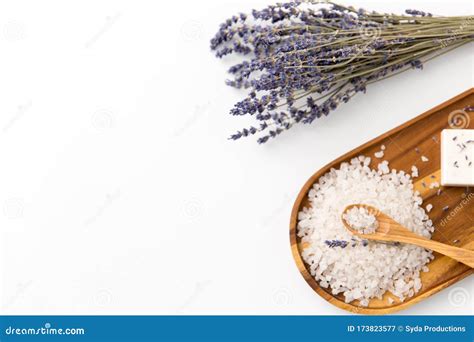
(390, 230)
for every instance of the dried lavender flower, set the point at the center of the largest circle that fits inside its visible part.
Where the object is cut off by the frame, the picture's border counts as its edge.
(303, 59)
(336, 243)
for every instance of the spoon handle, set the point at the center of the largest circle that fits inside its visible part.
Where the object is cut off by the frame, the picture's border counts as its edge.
(390, 230)
(463, 255)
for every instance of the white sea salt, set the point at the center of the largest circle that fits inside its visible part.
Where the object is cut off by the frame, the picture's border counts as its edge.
(379, 154)
(361, 220)
(429, 207)
(357, 268)
(383, 167)
(424, 159)
(414, 171)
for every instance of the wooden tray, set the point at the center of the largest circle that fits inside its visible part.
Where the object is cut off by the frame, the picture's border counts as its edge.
(404, 147)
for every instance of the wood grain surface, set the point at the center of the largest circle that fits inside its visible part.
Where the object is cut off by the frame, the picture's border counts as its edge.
(453, 207)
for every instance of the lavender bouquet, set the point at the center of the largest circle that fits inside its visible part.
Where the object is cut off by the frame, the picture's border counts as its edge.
(305, 58)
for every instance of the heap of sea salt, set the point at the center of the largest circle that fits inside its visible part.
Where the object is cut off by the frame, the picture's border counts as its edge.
(357, 268)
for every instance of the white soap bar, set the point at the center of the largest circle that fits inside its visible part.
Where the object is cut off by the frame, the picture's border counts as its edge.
(457, 157)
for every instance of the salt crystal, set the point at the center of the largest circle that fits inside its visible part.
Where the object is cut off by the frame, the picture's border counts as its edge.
(379, 154)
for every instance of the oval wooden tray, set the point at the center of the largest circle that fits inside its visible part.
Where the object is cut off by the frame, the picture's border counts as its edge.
(404, 147)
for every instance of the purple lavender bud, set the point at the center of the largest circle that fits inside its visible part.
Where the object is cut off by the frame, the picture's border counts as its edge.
(418, 13)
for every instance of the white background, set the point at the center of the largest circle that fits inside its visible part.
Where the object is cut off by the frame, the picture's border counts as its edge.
(119, 192)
